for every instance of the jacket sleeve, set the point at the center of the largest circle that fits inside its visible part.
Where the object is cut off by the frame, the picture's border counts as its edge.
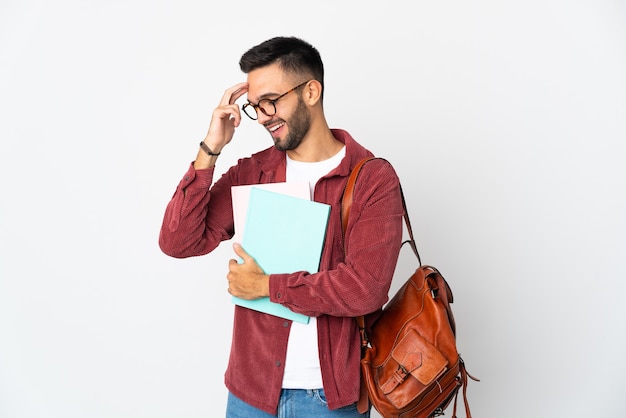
(198, 217)
(360, 284)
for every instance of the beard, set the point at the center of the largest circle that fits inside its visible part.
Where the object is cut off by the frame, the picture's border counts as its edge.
(299, 124)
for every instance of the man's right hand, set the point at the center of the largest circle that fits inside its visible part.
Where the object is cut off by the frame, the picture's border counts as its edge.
(226, 117)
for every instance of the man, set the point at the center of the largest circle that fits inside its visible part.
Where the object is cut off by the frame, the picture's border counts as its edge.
(280, 368)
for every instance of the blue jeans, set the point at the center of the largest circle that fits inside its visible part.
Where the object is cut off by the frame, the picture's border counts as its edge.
(294, 403)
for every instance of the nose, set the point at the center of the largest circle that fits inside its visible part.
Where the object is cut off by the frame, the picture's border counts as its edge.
(262, 117)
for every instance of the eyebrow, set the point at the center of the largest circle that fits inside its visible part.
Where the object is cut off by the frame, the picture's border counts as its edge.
(264, 96)
(268, 95)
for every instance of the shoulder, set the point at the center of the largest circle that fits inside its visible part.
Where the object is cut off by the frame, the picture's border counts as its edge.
(376, 169)
(357, 153)
(261, 165)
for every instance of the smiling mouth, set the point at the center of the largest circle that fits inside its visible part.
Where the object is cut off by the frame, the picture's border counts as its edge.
(274, 128)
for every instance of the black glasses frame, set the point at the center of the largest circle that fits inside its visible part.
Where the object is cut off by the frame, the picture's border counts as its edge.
(261, 105)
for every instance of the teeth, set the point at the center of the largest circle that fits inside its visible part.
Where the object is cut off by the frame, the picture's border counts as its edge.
(273, 128)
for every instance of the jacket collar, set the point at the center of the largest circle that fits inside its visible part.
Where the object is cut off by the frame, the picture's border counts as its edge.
(273, 162)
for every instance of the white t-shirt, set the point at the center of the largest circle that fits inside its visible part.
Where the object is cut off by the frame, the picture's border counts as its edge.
(302, 366)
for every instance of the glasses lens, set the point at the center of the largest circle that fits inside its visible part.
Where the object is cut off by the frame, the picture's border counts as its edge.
(267, 107)
(250, 111)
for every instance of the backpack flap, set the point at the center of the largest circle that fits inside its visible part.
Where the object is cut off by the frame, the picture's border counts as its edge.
(412, 356)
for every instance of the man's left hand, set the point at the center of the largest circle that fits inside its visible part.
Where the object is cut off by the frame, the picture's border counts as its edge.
(246, 280)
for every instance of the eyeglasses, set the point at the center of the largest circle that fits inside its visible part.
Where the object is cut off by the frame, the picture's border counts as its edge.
(267, 106)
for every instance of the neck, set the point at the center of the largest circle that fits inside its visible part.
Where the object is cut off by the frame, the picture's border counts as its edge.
(318, 145)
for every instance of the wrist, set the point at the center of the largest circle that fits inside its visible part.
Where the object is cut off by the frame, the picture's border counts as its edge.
(208, 150)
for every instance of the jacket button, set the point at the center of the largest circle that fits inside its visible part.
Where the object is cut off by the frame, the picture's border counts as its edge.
(277, 363)
(285, 324)
(279, 295)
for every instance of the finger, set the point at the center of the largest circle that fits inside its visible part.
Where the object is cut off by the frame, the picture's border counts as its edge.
(241, 252)
(230, 276)
(232, 263)
(238, 93)
(235, 115)
(228, 113)
(233, 93)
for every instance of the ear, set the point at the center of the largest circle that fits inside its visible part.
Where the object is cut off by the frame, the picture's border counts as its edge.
(312, 92)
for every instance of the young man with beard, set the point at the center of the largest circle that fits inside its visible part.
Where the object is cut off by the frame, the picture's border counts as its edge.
(280, 368)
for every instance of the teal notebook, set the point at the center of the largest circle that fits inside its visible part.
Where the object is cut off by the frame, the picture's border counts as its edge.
(284, 234)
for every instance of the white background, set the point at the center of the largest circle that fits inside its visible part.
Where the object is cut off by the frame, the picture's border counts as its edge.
(504, 120)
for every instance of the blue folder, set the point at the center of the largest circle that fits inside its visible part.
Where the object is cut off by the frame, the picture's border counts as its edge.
(284, 234)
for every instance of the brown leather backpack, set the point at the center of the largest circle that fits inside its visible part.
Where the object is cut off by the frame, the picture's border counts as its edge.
(410, 365)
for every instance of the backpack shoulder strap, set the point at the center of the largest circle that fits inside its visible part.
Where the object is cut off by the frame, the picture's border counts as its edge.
(346, 199)
(346, 205)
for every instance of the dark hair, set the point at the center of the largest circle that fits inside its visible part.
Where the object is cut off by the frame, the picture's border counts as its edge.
(292, 54)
